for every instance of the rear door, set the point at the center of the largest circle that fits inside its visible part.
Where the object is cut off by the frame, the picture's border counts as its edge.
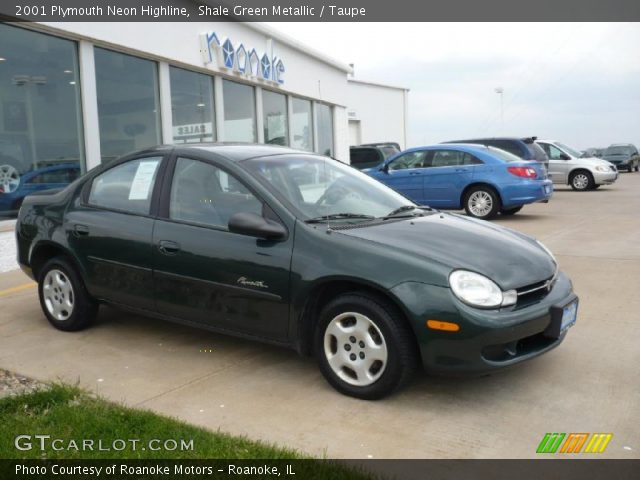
(111, 231)
(206, 274)
(448, 173)
(406, 175)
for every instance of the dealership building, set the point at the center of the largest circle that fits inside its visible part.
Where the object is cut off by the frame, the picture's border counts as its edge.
(73, 95)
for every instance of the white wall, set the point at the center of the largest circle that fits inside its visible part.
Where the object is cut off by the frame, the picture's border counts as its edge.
(382, 111)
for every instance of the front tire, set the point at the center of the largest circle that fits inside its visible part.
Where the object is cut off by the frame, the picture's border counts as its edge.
(581, 181)
(363, 347)
(482, 202)
(63, 296)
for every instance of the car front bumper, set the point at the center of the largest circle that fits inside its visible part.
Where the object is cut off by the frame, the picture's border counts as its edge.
(604, 178)
(487, 340)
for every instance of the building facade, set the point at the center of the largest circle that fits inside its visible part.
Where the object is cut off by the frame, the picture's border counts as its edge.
(73, 95)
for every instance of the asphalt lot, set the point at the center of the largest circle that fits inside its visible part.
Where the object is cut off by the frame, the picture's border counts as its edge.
(591, 383)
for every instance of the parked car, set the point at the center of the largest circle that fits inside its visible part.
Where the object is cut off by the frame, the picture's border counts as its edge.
(568, 167)
(14, 187)
(370, 155)
(623, 155)
(525, 148)
(482, 180)
(226, 238)
(592, 153)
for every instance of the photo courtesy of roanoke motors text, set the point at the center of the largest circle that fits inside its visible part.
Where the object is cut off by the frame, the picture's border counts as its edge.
(319, 240)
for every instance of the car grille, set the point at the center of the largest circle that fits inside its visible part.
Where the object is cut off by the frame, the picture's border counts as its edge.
(534, 292)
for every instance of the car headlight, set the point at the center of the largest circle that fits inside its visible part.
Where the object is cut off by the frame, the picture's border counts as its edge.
(479, 291)
(602, 168)
(544, 247)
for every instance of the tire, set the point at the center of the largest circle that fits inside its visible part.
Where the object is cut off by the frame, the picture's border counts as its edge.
(510, 211)
(482, 202)
(637, 167)
(63, 296)
(581, 181)
(363, 348)
(595, 187)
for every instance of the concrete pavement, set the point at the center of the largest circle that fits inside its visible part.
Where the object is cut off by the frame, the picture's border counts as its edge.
(591, 383)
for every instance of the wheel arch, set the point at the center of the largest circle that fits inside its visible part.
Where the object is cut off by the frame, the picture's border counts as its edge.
(464, 193)
(45, 250)
(578, 170)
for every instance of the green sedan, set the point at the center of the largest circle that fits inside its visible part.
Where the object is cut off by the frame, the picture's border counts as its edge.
(298, 250)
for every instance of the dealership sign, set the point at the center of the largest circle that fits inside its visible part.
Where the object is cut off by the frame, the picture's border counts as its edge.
(244, 61)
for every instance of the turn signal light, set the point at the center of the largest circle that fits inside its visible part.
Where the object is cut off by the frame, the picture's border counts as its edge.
(524, 172)
(440, 325)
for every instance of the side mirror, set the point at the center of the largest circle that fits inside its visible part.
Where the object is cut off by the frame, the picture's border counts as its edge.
(256, 226)
(384, 168)
(564, 156)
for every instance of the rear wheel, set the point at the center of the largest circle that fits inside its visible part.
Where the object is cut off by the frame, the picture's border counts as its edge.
(363, 347)
(63, 297)
(510, 211)
(581, 181)
(482, 202)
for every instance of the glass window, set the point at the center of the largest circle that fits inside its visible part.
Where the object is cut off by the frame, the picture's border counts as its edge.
(274, 111)
(192, 106)
(127, 187)
(128, 105)
(361, 158)
(553, 152)
(409, 160)
(301, 124)
(447, 158)
(324, 121)
(239, 112)
(203, 193)
(40, 119)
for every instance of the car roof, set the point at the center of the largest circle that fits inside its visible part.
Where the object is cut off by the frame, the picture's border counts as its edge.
(470, 147)
(480, 139)
(234, 151)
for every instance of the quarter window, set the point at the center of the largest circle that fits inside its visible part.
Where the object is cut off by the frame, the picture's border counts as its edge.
(127, 187)
(205, 194)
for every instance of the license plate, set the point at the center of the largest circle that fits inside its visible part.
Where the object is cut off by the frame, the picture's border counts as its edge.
(569, 316)
(547, 189)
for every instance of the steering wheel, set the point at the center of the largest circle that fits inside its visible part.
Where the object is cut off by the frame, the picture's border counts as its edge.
(335, 193)
(9, 179)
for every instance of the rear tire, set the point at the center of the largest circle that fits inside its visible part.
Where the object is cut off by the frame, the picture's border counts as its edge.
(363, 347)
(581, 181)
(482, 202)
(63, 296)
(510, 211)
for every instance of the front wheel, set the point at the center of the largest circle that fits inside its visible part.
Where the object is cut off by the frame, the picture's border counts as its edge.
(581, 181)
(63, 297)
(364, 350)
(510, 211)
(482, 202)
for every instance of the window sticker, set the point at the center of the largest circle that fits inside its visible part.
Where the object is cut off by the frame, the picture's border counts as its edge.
(141, 185)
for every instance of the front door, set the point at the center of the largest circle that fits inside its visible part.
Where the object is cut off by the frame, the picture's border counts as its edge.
(405, 175)
(206, 274)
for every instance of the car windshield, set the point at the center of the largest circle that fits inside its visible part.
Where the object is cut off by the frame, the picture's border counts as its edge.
(319, 187)
(617, 151)
(504, 155)
(574, 153)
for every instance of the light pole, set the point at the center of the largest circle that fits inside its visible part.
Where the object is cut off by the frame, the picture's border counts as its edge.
(500, 91)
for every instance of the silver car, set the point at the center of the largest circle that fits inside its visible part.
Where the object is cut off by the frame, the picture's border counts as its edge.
(566, 167)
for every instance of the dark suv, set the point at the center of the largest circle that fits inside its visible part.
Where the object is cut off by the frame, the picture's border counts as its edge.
(525, 148)
(372, 154)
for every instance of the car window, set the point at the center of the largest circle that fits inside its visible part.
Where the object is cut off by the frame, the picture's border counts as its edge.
(537, 152)
(448, 158)
(511, 147)
(552, 151)
(364, 157)
(126, 187)
(63, 175)
(503, 155)
(205, 194)
(408, 160)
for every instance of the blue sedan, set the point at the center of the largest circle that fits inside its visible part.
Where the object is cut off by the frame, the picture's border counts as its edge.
(482, 180)
(13, 187)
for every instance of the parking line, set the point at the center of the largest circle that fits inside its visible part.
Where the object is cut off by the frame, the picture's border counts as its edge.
(19, 288)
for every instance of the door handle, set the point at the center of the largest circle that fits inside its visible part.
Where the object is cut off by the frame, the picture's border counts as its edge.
(415, 173)
(167, 247)
(462, 169)
(80, 230)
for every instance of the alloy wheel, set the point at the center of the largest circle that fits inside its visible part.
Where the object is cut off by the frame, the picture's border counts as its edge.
(580, 181)
(355, 349)
(58, 294)
(480, 203)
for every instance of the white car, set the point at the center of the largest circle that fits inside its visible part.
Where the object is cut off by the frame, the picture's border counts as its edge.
(566, 167)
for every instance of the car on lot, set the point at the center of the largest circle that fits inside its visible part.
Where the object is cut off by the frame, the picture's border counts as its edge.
(229, 238)
(14, 187)
(568, 167)
(523, 147)
(370, 155)
(483, 180)
(623, 155)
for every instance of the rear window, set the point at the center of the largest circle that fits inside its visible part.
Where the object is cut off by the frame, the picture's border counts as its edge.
(537, 152)
(365, 157)
(504, 155)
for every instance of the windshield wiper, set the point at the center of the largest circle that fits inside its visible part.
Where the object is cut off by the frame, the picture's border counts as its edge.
(406, 208)
(339, 216)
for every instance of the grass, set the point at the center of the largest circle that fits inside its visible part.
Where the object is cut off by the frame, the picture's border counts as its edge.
(68, 413)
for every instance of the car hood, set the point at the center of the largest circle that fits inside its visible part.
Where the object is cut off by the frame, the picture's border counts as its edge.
(509, 258)
(593, 161)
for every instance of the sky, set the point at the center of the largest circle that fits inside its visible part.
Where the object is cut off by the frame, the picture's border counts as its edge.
(578, 83)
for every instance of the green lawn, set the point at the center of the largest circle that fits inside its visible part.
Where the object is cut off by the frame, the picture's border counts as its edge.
(68, 413)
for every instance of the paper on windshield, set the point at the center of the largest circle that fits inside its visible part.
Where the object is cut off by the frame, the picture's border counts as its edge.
(141, 185)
